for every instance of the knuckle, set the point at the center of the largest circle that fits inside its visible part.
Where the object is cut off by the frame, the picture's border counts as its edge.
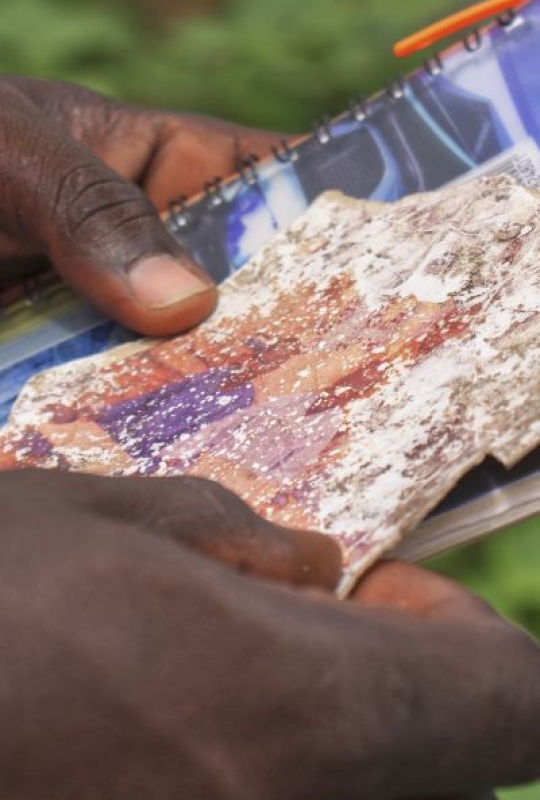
(89, 205)
(224, 503)
(214, 507)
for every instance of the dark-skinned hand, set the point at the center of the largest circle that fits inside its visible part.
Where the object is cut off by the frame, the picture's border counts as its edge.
(134, 666)
(81, 181)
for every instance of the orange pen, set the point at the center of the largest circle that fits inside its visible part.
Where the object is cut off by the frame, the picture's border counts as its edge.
(453, 24)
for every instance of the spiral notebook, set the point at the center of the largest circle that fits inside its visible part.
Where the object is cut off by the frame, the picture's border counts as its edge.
(470, 111)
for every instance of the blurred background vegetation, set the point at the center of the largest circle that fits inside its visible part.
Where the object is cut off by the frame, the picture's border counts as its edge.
(271, 63)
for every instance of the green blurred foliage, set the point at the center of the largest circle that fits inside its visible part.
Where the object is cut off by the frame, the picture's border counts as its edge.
(276, 64)
(77, 42)
(279, 64)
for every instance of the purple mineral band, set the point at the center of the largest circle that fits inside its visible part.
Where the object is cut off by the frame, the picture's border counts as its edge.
(144, 425)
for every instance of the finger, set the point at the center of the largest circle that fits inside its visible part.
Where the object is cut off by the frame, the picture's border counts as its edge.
(167, 154)
(193, 150)
(99, 231)
(208, 518)
(405, 587)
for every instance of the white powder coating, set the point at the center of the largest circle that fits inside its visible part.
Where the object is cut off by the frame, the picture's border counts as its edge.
(446, 327)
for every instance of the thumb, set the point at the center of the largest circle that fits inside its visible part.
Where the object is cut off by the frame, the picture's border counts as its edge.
(99, 231)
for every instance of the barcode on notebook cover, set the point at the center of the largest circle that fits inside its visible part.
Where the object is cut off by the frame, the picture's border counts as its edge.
(521, 162)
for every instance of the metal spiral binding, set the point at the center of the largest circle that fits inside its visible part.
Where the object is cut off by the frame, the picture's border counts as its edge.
(322, 131)
(434, 65)
(507, 18)
(31, 288)
(213, 193)
(247, 169)
(284, 152)
(396, 89)
(358, 108)
(177, 214)
(472, 41)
